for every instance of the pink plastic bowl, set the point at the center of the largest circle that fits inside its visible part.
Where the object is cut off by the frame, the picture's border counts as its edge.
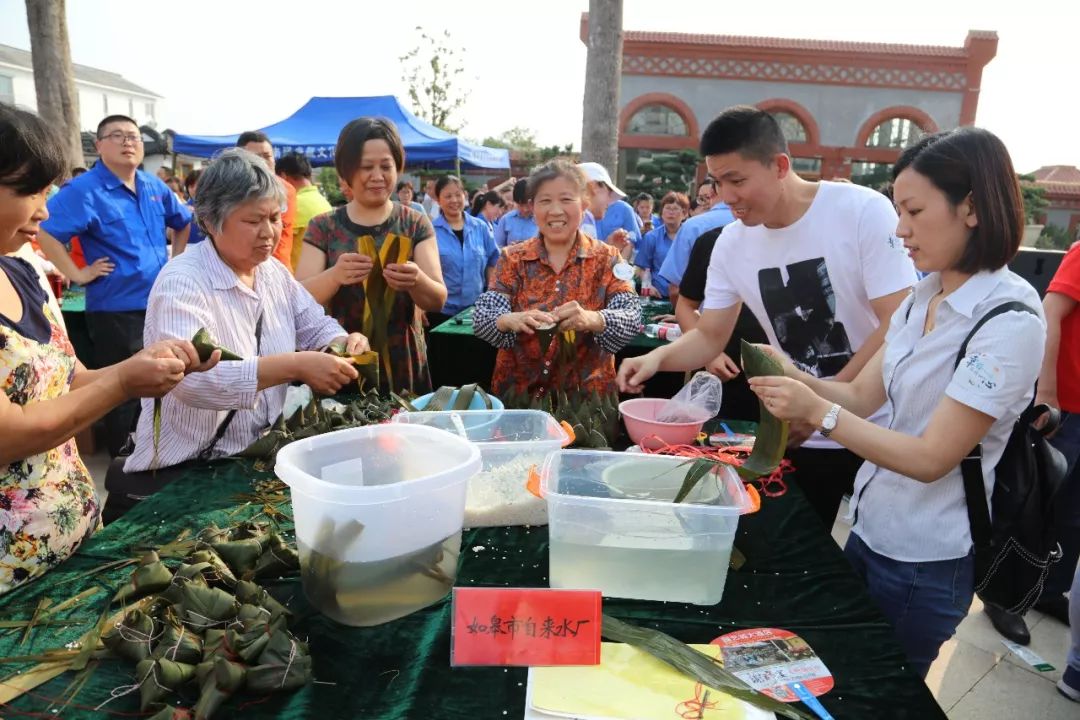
(639, 415)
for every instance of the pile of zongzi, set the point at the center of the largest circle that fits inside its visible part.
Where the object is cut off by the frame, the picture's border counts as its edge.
(315, 419)
(207, 626)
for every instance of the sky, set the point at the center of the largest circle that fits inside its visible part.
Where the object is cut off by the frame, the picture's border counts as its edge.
(228, 66)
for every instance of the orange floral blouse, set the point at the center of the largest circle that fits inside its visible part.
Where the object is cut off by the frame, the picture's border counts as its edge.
(525, 279)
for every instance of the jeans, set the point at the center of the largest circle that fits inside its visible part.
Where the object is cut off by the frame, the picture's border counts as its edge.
(1067, 440)
(116, 337)
(923, 601)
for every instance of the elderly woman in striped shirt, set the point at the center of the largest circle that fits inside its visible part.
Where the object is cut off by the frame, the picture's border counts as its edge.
(251, 304)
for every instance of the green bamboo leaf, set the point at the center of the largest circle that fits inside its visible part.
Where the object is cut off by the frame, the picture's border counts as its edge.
(695, 665)
(699, 468)
(440, 399)
(157, 432)
(465, 397)
(771, 438)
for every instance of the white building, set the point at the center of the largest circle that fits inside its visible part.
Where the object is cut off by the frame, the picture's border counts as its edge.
(101, 92)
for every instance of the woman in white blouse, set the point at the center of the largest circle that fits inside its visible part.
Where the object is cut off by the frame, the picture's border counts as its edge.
(249, 303)
(961, 220)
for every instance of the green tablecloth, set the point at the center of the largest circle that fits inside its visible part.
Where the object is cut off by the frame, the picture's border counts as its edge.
(795, 578)
(74, 300)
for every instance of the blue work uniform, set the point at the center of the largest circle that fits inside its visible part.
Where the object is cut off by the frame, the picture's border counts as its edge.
(464, 261)
(674, 266)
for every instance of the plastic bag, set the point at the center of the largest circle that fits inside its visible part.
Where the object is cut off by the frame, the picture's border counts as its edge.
(698, 401)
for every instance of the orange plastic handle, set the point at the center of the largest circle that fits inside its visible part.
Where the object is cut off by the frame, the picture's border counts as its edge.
(570, 433)
(533, 484)
(755, 498)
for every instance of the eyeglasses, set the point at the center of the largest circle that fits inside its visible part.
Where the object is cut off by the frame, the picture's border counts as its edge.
(121, 137)
(704, 199)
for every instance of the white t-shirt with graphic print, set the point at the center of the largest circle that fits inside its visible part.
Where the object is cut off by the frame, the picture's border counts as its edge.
(810, 284)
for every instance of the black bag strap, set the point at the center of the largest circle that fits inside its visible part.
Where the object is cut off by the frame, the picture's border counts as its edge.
(971, 466)
(1012, 306)
(205, 454)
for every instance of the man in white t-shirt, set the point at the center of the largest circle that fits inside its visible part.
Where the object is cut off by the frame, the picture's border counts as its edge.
(819, 265)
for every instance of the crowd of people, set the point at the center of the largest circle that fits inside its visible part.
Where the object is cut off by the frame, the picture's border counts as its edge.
(865, 300)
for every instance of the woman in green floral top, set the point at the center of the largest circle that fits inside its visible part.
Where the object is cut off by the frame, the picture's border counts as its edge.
(373, 262)
(47, 501)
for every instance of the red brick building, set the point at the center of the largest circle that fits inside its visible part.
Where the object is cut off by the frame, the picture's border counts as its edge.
(847, 108)
(1062, 186)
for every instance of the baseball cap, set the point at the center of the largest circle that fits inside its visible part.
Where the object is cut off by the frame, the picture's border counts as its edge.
(598, 173)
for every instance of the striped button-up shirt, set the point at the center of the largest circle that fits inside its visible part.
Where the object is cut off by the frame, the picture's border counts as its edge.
(198, 290)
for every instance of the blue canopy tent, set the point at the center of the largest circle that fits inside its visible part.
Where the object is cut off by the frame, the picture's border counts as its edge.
(313, 130)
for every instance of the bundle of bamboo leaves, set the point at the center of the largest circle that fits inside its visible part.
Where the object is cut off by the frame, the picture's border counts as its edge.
(448, 398)
(208, 625)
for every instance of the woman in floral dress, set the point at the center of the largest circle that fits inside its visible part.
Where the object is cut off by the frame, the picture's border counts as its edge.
(47, 501)
(373, 262)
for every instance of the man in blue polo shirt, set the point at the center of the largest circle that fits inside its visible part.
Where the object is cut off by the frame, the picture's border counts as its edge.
(678, 257)
(120, 214)
(616, 223)
(518, 224)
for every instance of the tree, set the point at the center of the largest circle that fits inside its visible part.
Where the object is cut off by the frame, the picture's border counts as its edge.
(54, 80)
(327, 180)
(603, 66)
(661, 173)
(1034, 196)
(516, 138)
(432, 71)
(522, 141)
(1054, 237)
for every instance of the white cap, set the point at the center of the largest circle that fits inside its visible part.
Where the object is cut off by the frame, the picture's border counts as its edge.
(598, 173)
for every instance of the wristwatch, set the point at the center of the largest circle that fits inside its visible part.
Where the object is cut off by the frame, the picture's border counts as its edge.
(828, 424)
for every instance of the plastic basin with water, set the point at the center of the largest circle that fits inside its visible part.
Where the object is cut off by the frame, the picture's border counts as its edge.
(613, 526)
(378, 513)
(512, 444)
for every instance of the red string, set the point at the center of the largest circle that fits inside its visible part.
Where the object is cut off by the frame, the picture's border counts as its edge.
(249, 703)
(772, 485)
(695, 708)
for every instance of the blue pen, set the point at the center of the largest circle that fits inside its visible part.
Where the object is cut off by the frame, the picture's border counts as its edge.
(727, 430)
(810, 701)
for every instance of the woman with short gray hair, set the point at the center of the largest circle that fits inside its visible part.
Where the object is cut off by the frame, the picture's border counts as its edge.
(250, 303)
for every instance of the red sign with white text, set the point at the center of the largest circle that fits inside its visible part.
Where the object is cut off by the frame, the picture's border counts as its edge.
(525, 627)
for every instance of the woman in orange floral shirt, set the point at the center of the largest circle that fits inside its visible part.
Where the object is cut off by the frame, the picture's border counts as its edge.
(561, 304)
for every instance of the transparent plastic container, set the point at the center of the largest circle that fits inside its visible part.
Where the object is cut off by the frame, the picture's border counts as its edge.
(512, 444)
(614, 527)
(378, 513)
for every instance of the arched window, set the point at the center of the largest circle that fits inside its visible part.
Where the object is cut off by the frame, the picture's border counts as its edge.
(895, 133)
(656, 120)
(792, 127)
